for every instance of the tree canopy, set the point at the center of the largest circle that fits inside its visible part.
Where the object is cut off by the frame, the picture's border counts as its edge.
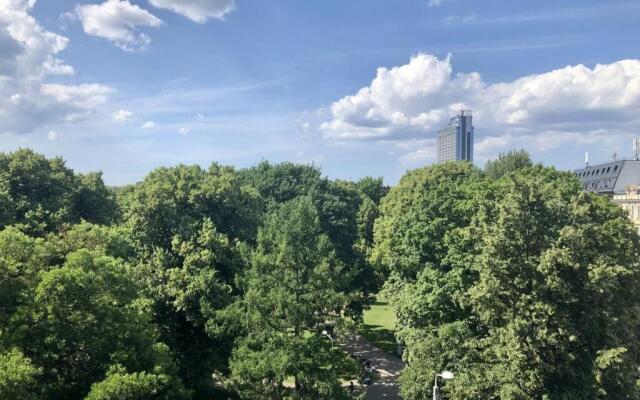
(198, 283)
(531, 295)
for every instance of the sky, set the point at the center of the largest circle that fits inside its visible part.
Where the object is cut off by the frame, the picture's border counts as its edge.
(357, 87)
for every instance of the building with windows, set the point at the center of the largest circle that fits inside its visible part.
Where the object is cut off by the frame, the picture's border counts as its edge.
(609, 178)
(630, 201)
(455, 141)
(618, 180)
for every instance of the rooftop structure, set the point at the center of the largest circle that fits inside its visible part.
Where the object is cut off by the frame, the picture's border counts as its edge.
(609, 178)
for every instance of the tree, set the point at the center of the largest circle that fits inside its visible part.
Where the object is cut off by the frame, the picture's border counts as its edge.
(94, 201)
(20, 259)
(189, 295)
(292, 290)
(536, 298)
(121, 385)
(510, 161)
(189, 227)
(18, 377)
(419, 214)
(337, 203)
(176, 201)
(41, 195)
(82, 318)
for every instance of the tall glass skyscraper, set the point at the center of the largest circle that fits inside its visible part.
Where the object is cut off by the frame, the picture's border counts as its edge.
(455, 141)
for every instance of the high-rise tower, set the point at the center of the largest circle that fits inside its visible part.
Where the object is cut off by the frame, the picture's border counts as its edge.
(455, 141)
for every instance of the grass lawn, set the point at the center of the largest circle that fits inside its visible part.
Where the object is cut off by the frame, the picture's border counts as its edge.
(379, 326)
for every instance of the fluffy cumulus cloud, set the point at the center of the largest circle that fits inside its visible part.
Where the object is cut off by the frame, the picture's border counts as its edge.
(148, 125)
(414, 100)
(197, 10)
(122, 116)
(29, 55)
(118, 21)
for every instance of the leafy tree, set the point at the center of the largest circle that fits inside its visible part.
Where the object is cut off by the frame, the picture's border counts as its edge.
(189, 227)
(21, 259)
(120, 385)
(176, 201)
(94, 201)
(82, 319)
(293, 289)
(41, 195)
(189, 298)
(373, 188)
(18, 377)
(510, 161)
(536, 298)
(337, 204)
(418, 215)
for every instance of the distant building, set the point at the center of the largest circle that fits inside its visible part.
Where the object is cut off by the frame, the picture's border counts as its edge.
(630, 201)
(609, 178)
(455, 141)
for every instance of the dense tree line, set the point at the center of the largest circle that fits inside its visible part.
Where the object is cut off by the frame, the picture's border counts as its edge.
(153, 289)
(213, 283)
(524, 286)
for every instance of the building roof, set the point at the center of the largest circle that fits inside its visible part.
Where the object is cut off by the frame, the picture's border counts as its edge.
(611, 177)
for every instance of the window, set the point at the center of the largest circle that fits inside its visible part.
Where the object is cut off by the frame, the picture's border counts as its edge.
(608, 169)
(615, 168)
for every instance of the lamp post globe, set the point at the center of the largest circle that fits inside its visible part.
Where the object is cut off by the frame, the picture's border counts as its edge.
(446, 375)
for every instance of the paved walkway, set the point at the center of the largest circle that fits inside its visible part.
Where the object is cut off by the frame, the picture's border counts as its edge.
(388, 367)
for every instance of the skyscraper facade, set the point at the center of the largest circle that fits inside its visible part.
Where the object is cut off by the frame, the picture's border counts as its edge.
(455, 141)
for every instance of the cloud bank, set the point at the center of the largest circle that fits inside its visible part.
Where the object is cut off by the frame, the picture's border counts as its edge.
(29, 55)
(197, 10)
(414, 100)
(118, 21)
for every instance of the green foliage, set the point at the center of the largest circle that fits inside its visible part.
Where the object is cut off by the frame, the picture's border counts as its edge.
(418, 215)
(292, 290)
(372, 188)
(338, 205)
(188, 226)
(535, 297)
(506, 163)
(176, 201)
(120, 385)
(18, 377)
(21, 258)
(40, 195)
(82, 319)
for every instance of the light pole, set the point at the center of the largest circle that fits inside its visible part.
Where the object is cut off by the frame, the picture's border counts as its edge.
(325, 333)
(446, 375)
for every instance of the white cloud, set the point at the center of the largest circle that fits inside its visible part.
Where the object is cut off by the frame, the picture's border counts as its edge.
(459, 19)
(416, 99)
(29, 54)
(53, 136)
(184, 131)
(197, 10)
(148, 125)
(122, 116)
(435, 3)
(118, 21)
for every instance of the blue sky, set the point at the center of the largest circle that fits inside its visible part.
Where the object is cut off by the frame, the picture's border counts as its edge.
(358, 87)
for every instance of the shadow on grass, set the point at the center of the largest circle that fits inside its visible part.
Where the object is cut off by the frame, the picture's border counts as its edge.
(379, 336)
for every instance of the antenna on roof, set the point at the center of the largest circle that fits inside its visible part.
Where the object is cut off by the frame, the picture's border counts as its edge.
(636, 149)
(586, 158)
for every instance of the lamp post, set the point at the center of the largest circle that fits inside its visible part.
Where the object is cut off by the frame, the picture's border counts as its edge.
(325, 333)
(446, 375)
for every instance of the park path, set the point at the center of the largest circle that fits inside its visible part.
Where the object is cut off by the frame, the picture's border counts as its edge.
(385, 386)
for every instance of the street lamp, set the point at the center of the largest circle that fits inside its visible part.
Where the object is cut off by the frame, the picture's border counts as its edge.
(325, 333)
(446, 375)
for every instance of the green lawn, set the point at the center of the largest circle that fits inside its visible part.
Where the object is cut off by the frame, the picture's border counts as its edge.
(379, 326)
